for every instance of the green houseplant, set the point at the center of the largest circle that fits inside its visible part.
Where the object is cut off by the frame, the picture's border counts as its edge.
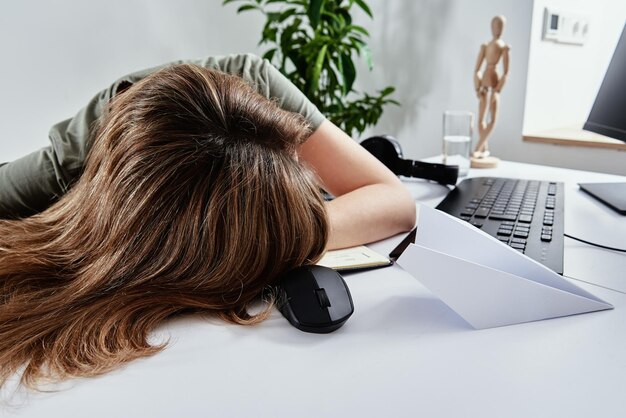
(314, 43)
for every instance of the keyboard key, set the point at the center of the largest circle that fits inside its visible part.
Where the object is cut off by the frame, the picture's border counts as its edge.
(525, 218)
(521, 234)
(518, 240)
(503, 217)
(481, 212)
(476, 223)
(517, 245)
(552, 188)
(546, 237)
(505, 232)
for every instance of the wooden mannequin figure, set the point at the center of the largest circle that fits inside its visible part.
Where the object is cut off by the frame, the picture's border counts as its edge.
(488, 85)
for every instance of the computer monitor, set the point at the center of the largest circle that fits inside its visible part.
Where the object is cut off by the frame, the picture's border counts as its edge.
(608, 117)
(608, 114)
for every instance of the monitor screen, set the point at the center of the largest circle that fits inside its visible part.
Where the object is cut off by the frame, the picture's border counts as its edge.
(608, 114)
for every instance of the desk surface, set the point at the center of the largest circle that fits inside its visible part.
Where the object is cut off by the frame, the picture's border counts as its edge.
(403, 353)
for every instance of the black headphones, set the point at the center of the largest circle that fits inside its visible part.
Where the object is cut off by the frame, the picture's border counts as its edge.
(387, 149)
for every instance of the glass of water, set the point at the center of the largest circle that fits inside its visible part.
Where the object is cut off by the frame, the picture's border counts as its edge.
(457, 139)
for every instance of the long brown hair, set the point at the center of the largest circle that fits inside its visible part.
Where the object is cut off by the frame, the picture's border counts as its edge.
(191, 200)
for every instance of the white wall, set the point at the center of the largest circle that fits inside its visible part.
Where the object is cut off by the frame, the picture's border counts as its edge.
(428, 50)
(57, 54)
(565, 78)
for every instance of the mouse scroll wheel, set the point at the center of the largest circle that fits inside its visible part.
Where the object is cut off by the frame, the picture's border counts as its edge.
(322, 298)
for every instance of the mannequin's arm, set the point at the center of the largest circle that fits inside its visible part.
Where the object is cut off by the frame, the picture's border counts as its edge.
(479, 62)
(505, 65)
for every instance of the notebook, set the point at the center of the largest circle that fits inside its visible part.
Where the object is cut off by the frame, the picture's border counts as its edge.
(354, 259)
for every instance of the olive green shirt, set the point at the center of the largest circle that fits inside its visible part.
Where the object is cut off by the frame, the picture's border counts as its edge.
(31, 183)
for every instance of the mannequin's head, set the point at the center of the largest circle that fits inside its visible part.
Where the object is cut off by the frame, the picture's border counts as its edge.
(497, 26)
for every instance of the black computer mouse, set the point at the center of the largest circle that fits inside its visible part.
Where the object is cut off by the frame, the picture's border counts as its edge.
(314, 299)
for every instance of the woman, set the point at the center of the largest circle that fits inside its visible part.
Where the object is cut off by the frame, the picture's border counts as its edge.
(177, 189)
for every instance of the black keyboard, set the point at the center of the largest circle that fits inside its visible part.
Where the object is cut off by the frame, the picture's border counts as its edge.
(525, 214)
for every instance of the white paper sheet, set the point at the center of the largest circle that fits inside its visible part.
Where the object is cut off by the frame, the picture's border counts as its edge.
(484, 280)
(353, 258)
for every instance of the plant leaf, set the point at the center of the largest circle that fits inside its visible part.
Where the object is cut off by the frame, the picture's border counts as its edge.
(348, 73)
(286, 37)
(365, 7)
(246, 7)
(286, 14)
(357, 28)
(269, 54)
(368, 56)
(339, 65)
(315, 12)
(346, 15)
(387, 91)
(269, 33)
(317, 68)
(271, 17)
(338, 19)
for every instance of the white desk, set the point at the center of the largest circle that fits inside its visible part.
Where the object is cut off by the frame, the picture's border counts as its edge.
(402, 354)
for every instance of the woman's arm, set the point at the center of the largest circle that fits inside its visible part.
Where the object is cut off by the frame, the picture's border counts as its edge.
(371, 203)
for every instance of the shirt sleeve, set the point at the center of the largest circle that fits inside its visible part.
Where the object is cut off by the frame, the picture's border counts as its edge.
(29, 185)
(32, 183)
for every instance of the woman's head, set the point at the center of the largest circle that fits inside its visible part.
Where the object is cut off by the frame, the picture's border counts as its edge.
(194, 172)
(191, 200)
